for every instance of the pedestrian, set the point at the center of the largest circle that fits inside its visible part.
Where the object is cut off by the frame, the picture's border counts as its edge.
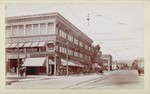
(139, 71)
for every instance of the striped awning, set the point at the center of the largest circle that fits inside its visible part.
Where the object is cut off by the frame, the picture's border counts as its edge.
(70, 63)
(13, 45)
(41, 44)
(27, 45)
(34, 44)
(7, 45)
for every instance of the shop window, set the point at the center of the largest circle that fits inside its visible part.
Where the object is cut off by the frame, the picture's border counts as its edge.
(35, 49)
(29, 49)
(50, 46)
(9, 50)
(21, 50)
(43, 49)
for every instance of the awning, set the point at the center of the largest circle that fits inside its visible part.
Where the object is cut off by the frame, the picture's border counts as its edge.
(35, 62)
(13, 45)
(97, 66)
(41, 44)
(78, 64)
(34, 44)
(27, 45)
(7, 45)
(70, 63)
(21, 44)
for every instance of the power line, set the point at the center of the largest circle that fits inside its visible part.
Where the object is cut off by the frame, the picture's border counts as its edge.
(78, 18)
(108, 18)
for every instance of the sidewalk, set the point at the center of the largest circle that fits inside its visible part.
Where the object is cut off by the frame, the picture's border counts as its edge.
(11, 78)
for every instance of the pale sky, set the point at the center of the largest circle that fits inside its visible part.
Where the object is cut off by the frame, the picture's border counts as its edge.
(117, 27)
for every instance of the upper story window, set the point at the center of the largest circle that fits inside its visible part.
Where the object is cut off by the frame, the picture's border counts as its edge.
(14, 30)
(70, 38)
(62, 33)
(35, 29)
(21, 30)
(80, 44)
(86, 47)
(80, 55)
(75, 41)
(28, 30)
(8, 31)
(43, 29)
(50, 28)
(75, 53)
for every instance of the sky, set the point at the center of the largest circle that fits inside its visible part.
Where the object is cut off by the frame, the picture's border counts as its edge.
(117, 27)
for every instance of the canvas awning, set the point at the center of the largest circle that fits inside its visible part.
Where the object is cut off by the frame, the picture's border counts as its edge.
(35, 62)
(21, 44)
(7, 45)
(27, 45)
(97, 66)
(34, 44)
(13, 45)
(41, 44)
(78, 64)
(70, 63)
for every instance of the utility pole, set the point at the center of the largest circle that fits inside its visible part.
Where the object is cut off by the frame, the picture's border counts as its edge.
(18, 57)
(67, 58)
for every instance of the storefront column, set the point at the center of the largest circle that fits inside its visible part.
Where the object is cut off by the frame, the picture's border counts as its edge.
(108, 64)
(47, 66)
(55, 66)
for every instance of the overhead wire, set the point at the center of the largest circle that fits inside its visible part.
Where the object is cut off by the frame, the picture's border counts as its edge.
(85, 25)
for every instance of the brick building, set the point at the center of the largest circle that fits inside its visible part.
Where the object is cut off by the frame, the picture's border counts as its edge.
(46, 44)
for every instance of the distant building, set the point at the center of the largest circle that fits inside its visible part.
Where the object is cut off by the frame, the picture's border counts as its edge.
(107, 62)
(44, 42)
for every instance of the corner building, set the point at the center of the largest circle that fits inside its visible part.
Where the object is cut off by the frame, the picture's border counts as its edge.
(43, 43)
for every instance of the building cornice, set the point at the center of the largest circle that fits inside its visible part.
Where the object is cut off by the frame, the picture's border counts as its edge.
(55, 15)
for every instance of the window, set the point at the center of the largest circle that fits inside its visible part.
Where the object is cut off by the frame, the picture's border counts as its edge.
(29, 49)
(60, 49)
(21, 30)
(75, 53)
(50, 46)
(42, 49)
(50, 28)
(28, 30)
(8, 31)
(86, 47)
(70, 38)
(75, 41)
(80, 55)
(43, 29)
(80, 43)
(35, 29)
(14, 31)
(89, 48)
(35, 50)
(21, 50)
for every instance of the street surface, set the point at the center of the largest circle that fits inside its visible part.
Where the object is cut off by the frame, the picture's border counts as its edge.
(119, 79)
